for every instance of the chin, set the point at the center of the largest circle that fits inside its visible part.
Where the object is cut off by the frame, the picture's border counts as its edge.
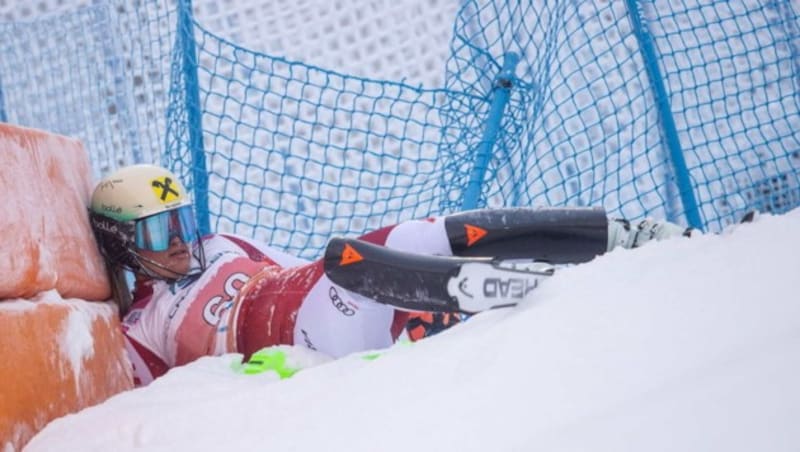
(181, 268)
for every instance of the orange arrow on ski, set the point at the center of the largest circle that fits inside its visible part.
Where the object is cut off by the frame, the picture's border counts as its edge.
(474, 234)
(350, 255)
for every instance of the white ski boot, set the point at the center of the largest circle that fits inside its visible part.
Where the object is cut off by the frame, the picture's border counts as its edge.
(480, 286)
(621, 233)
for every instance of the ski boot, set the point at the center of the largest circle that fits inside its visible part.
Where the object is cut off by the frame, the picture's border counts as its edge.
(622, 233)
(559, 235)
(420, 282)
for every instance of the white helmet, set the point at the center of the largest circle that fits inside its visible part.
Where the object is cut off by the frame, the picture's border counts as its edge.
(138, 191)
(140, 207)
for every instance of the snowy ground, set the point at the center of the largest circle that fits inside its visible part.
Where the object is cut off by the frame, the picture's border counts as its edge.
(687, 345)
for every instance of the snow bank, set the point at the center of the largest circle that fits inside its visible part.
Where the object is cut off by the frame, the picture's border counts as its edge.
(684, 345)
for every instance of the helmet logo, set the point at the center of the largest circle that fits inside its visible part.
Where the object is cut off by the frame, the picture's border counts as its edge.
(163, 189)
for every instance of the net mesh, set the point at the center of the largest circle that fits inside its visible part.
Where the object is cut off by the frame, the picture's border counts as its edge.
(297, 121)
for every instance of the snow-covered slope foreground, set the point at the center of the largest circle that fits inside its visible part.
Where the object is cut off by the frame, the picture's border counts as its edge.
(686, 345)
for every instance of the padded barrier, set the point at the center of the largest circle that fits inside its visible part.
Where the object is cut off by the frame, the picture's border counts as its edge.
(61, 343)
(46, 183)
(58, 356)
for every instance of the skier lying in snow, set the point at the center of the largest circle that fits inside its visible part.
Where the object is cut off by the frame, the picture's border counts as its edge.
(223, 293)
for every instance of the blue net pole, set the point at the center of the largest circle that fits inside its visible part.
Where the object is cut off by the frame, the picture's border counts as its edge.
(670, 131)
(188, 47)
(502, 91)
(2, 104)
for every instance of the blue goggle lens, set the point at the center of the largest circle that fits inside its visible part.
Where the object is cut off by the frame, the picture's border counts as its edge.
(155, 232)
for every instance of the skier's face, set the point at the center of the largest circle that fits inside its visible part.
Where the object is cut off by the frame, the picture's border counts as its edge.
(173, 263)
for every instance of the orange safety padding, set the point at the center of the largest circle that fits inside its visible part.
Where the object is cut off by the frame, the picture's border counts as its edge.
(58, 356)
(47, 243)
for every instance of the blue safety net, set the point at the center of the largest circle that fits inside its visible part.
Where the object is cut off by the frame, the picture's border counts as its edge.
(684, 110)
(687, 110)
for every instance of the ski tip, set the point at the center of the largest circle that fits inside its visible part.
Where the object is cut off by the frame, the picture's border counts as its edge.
(749, 217)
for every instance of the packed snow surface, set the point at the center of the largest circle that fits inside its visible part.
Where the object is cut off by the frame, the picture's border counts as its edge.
(689, 344)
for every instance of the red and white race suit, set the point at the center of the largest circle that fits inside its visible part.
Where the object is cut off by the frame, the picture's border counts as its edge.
(251, 296)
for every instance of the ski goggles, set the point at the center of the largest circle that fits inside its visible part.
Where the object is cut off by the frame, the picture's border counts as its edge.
(154, 233)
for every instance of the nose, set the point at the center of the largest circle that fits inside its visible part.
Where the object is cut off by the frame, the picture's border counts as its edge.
(175, 239)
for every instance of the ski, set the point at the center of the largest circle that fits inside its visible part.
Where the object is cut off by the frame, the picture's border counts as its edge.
(419, 282)
(749, 217)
